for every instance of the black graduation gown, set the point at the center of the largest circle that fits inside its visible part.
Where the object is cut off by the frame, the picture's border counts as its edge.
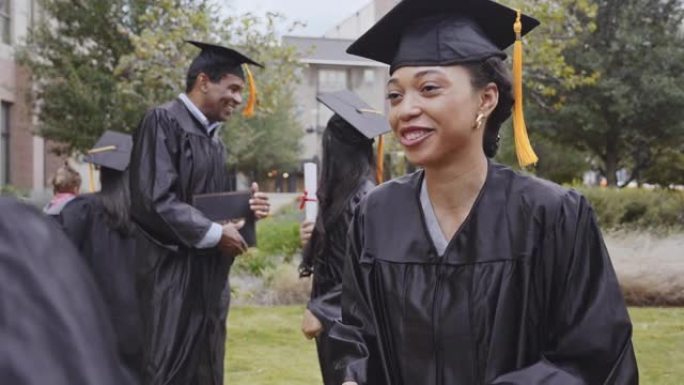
(111, 258)
(53, 322)
(524, 295)
(179, 287)
(327, 284)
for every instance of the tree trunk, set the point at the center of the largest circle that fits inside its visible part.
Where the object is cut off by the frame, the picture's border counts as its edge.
(611, 160)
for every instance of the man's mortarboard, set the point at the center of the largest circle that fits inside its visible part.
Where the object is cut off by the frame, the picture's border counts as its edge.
(450, 32)
(112, 150)
(235, 62)
(366, 120)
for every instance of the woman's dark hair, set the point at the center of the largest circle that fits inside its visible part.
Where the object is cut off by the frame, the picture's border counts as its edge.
(116, 199)
(493, 70)
(347, 163)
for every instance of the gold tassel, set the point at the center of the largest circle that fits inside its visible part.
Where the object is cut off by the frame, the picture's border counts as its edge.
(380, 164)
(248, 112)
(91, 177)
(523, 148)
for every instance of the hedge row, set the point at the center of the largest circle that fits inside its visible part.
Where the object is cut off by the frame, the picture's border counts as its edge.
(637, 209)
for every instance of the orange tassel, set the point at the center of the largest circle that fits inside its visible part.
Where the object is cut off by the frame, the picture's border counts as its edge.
(523, 148)
(248, 112)
(380, 163)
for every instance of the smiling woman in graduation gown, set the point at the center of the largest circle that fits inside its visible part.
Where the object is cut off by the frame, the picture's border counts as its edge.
(520, 289)
(99, 225)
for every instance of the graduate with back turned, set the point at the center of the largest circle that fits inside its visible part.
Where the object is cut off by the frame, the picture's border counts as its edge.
(100, 227)
(184, 257)
(466, 271)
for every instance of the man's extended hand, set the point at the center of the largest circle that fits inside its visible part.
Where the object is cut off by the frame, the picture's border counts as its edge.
(259, 203)
(305, 230)
(311, 326)
(231, 242)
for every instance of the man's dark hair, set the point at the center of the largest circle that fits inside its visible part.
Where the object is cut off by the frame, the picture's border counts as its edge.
(214, 71)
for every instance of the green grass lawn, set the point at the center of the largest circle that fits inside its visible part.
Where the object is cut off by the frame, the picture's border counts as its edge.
(265, 347)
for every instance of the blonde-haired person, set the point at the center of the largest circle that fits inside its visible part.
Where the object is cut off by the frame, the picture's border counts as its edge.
(66, 184)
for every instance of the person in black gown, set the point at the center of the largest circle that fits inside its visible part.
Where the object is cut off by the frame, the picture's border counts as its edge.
(54, 326)
(99, 225)
(347, 175)
(466, 271)
(183, 257)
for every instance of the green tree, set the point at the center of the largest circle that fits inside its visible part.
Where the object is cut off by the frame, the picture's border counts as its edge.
(547, 72)
(100, 64)
(635, 111)
(548, 76)
(71, 56)
(155, 72)
(270, 139)
(667, 168)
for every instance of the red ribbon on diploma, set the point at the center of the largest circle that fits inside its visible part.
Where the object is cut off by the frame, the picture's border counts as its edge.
(305, 198)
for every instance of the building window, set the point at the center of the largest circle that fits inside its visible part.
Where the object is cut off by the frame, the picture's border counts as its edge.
(329, 80)
(5, 22)
(369, 76)
(332, 80)
(4, 143)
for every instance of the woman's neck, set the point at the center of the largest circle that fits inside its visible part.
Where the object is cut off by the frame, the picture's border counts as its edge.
(457, 184)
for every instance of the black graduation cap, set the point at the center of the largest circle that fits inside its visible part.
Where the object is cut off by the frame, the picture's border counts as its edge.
(112, 150)
(350, 107)
(219, 55)
(440, 32)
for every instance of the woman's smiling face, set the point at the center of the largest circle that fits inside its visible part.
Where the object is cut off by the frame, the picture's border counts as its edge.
(433, 112)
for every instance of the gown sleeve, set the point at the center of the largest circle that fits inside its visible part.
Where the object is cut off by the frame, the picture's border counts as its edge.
(353, 339)
(155, 183)
(589, 339)
(326, 307)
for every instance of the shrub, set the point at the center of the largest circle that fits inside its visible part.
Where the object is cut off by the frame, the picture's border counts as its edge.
(637, 208)
(11, 191)
(277, 242)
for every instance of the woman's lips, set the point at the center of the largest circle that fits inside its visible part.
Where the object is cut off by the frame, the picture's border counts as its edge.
(413, 136)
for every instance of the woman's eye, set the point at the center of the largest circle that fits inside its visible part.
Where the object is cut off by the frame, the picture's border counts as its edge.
(429, 88)
(393, 95)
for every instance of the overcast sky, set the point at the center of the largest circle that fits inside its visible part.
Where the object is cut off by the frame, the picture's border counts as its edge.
(319, 15)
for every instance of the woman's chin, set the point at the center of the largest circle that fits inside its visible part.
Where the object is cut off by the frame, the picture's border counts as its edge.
(419, 158)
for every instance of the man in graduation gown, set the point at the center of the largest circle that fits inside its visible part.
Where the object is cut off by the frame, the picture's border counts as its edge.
(522, 292)
(184, 258)
(54, 327)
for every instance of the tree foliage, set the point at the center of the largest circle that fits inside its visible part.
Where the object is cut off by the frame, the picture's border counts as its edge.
(99, 64)
(634, 113)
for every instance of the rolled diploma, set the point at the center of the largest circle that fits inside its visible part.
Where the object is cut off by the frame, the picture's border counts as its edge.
(310, 185)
